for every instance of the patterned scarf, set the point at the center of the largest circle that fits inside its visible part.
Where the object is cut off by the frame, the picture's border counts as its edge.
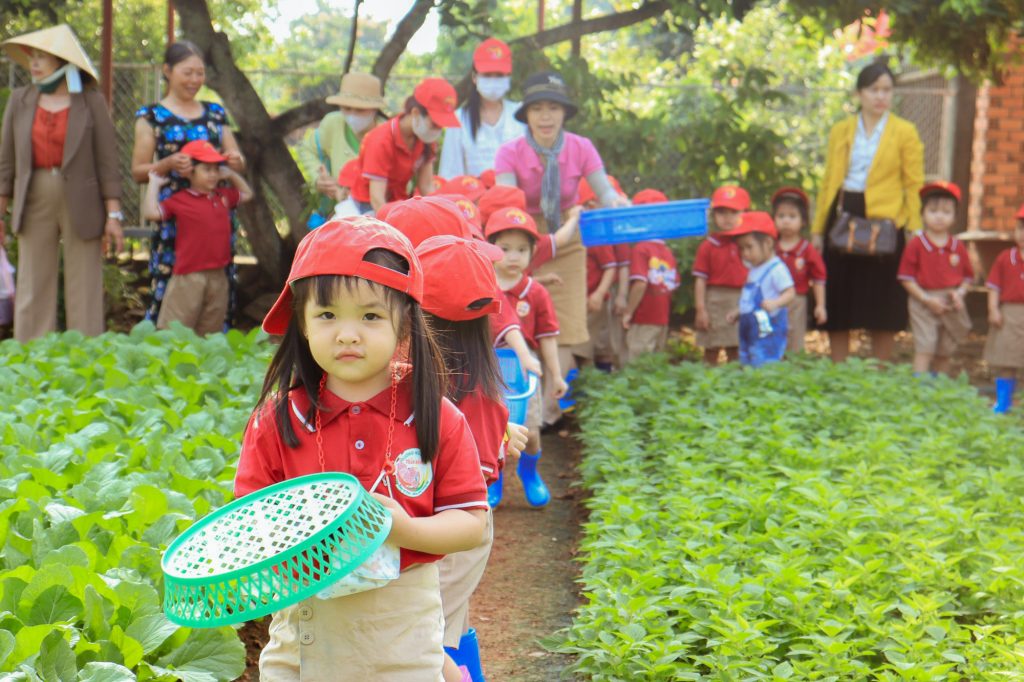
(551, 183)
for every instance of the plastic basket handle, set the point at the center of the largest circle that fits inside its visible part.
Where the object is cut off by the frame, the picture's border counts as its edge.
(531, 387)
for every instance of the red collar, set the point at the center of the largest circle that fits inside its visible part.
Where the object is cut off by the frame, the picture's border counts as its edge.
(929, 245)
(334, 406)
(522, 287)
(797, 250)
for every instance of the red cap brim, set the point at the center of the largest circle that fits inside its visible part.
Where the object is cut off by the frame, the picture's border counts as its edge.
(444, 119)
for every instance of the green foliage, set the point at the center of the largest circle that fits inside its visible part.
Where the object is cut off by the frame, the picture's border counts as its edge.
(110, 447)
(802, 521)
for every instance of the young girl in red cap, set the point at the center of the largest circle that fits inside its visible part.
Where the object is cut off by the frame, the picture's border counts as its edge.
(340, 395)
(790, 210)
(403, 149)
(459, 292)
(719, 276)
(1004, 348)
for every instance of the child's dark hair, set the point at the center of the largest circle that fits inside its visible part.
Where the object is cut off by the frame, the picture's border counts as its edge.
(293, 365)
(180, 51)
(473, 109)
(493, 239)
(468, 356)
(935, 196)
(411, 103)
(800, 205)
(761, 238)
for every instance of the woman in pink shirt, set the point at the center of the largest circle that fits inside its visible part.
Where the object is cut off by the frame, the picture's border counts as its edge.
(547, 163)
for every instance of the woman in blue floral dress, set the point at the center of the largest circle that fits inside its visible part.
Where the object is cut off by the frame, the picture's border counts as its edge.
(161, 130)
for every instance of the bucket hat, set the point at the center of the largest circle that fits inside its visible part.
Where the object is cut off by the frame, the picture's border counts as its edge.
(60, 41)
(547, 86)
(339, 247)
(359, 91)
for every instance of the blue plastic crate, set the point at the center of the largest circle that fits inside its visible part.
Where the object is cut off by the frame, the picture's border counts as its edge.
(519, 388)
(668, 220)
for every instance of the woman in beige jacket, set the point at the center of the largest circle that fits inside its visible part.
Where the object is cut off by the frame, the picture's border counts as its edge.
(59, 176)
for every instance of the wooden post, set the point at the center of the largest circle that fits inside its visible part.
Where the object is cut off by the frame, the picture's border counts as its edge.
(577, 16)
(540, 15)
(107, 58)
(170, 22)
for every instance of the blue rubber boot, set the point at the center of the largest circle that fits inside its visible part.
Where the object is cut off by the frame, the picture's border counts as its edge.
(537, 494)
(567, 402)
(494, 490)
(1004, 395)
(468, 655)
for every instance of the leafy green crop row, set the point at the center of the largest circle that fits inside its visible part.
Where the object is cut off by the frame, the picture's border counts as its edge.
(110, 447)
(804, 521)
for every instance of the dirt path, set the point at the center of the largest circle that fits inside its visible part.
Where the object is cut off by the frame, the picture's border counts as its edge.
(529, 590)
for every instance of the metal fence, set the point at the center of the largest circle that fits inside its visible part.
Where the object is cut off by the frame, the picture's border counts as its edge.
(926, 99)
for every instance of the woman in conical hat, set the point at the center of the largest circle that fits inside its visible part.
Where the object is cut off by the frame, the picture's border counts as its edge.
(60, 177)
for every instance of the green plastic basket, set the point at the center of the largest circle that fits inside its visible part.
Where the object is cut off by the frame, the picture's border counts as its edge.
(271, 549)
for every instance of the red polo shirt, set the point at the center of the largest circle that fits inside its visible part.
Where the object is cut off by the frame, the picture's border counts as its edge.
(1007, 276)
(488, 420)
(653, 262)
(532, 303)
(502, 322)
(805, 265)
(599, 259)
(718, 261)
(354, 437)
(384, 156)
(935, 267)
(622, 252)
(203, 224)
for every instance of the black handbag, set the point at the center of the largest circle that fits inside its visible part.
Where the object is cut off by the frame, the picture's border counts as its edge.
(862, 236)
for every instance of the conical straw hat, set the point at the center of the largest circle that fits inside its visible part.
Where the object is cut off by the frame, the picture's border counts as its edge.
(59, 41)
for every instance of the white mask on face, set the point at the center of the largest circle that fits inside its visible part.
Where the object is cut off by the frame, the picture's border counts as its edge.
(359, 122)
(493, 88)
(422, 128)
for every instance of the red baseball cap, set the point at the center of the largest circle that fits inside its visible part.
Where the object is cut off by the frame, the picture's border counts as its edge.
(941, 187)
(203, 152)
(586, 193)
(489, 178)
(466, 185)
(438, 97)
(492, 56)
(350, 172)
(421, 217)
(459, 282)
(754, 221)
(499, 197)
(791, 193)
(649, 196)
(339, 247)
(731, 196)
(511, 219)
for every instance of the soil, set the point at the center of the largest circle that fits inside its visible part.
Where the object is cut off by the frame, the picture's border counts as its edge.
(529, 590)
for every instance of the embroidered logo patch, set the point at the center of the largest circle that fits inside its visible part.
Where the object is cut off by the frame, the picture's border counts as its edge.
(467, 207)
(523, 308)
(412, 475)
(516, 216)
(660, 273)
(954, 259)
(800, 263)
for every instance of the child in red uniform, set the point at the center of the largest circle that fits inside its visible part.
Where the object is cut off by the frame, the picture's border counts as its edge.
(340, 396)
(197, 293)
(515, 233)
(458, 293)
(652, 279)
(396, 151)
(604, 314)
(719, 277)
(936, 270)
(790, 209)
(1004, 348)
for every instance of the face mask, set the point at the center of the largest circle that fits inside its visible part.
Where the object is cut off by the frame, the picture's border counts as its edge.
(493, 88)
(359, 122)
(422, 129)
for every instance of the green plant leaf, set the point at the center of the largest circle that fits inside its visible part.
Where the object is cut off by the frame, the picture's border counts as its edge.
(206, 656)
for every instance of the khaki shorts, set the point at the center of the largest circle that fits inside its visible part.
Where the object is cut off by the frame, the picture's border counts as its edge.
(460, 573)
(1005, 345)
(599, 326)
(391, 633)
(935, 334)
(199, 300)
(797, 324)
(643, 339)
(722, 334)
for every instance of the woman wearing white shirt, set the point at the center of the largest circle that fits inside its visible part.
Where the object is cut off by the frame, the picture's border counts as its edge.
(487, 118)
(874, 168)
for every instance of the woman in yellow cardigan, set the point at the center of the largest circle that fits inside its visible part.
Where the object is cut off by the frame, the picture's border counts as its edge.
(874, 168)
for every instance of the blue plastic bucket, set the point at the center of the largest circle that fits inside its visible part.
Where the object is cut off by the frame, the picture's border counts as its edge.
(519, 388)
(667, 220)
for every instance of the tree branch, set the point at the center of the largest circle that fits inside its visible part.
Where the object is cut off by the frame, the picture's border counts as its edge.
(353, 34)
(608, 22)
(406, 29)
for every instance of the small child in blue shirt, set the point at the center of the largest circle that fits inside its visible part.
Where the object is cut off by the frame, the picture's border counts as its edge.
(762, 314)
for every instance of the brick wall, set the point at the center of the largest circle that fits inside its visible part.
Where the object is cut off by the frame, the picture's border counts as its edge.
(997, 167)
